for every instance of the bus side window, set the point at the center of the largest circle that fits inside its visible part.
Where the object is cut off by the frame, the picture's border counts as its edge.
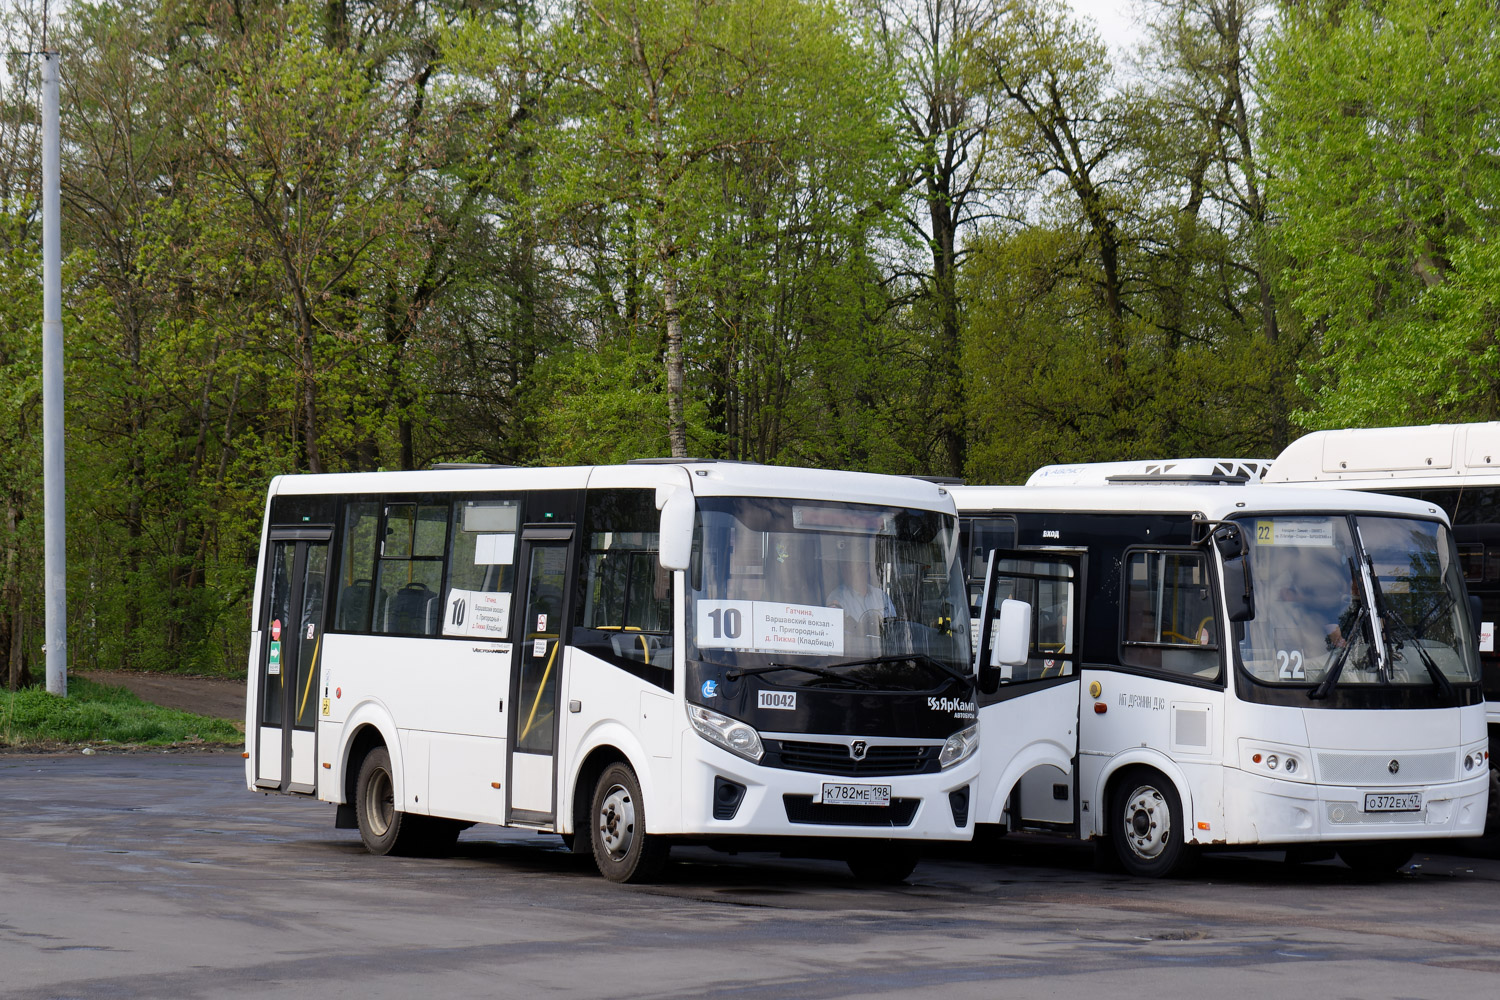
(407, 600)
(624, 607)
(482, 554)
(1169, 622)
(356, 567)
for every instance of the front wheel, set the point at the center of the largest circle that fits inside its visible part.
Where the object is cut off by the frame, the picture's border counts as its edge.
(1147, 826)
(623, 850)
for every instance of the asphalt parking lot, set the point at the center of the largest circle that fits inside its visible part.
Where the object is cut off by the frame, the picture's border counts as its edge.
(160, 875)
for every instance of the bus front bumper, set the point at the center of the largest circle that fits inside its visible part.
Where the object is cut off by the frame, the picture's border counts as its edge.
(1263, 810)
(776, 802)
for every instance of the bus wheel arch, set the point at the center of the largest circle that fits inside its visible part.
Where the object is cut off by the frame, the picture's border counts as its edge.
(366, 738)
(1145, 821)
(624, 848)
(584, 782)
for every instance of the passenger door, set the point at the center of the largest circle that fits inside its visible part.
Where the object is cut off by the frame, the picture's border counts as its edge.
(1029, 723)
(540, 632)
(291, 626)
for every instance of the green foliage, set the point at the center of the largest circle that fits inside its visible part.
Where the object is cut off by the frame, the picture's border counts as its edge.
(1387, 184)
(99, 713)
(891, 235)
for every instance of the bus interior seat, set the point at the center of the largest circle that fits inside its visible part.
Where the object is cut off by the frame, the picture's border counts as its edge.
(354, 602)
(410, 610)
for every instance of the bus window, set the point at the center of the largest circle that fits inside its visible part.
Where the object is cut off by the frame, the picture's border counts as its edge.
(1169, 616)
(624, 606)
(357, 567)
(411, 569)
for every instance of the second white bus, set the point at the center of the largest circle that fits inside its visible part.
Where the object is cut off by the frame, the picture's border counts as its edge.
(1242, 666)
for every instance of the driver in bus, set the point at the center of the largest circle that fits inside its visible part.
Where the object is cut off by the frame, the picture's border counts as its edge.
(864, 602)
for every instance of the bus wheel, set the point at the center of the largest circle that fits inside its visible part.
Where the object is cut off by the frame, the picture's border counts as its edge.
(623, 850)
(889, 862)
(1376, 857)
(1147, 832)
(383, 828)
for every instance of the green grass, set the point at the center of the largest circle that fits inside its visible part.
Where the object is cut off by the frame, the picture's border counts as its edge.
(99, 714)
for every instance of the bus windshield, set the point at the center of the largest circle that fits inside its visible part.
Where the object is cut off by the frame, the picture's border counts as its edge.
(873, 593)
(1368, 600)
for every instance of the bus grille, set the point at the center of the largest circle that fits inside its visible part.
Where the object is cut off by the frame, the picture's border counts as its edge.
(1375, 768)
(834, 758)
(802, 809)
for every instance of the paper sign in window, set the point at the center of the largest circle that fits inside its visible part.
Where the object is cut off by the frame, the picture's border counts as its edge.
(494, 550)
(476, 614)
(770, 626)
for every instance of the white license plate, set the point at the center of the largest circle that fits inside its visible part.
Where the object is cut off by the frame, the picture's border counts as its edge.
(1393, 802)
(835, 794)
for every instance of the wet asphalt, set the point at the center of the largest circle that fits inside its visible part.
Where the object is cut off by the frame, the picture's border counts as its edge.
(159, 875)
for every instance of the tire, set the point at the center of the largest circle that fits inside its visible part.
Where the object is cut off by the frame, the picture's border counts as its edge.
(623, 849)
(886, 862)
(383, 828)
(1146, 826)
(1376, 857)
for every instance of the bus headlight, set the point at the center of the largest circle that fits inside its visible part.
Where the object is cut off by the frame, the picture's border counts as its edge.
(959, 748)
(731, 734)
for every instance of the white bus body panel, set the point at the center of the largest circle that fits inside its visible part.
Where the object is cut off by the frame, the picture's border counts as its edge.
(1177, 729)
(1376, 458)
(1027, 739)
(1343, 755)
(452, 728)
(602, 693)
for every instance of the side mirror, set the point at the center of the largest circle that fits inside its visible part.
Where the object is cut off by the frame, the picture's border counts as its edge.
(1476, 615)
(1239, 591)
(1012, 645)
(675, 548)
(1230, 542)
(1009, 643)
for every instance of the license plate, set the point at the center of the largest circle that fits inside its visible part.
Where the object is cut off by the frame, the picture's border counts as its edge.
(1393, 802)
(856, 795)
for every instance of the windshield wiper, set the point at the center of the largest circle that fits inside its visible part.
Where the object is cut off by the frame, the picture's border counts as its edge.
(931, 661)
(1321, 691)
(734, 675)
(1439, 679)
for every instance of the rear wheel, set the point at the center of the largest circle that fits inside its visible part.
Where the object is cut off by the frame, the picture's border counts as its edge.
(888, 862)
(1377, 857)
(1147, 826)
(383, 827)
(623, 849)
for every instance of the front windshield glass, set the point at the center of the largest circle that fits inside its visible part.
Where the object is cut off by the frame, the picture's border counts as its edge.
(873, 592)
(1321, 590)
(1420, 598)
(1310, 609)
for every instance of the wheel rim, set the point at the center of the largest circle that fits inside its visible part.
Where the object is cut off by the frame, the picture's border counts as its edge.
(1147, 822)
(380, 802)
(617, 821)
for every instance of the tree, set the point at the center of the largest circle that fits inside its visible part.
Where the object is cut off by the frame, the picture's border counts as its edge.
(1384, 180)
(950, 118)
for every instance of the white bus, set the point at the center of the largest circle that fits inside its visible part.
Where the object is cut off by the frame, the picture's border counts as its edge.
(1452, 466)
(627, 656)
(1244, 665)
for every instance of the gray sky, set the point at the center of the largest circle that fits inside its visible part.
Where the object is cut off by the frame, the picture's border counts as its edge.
(1115, 20)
